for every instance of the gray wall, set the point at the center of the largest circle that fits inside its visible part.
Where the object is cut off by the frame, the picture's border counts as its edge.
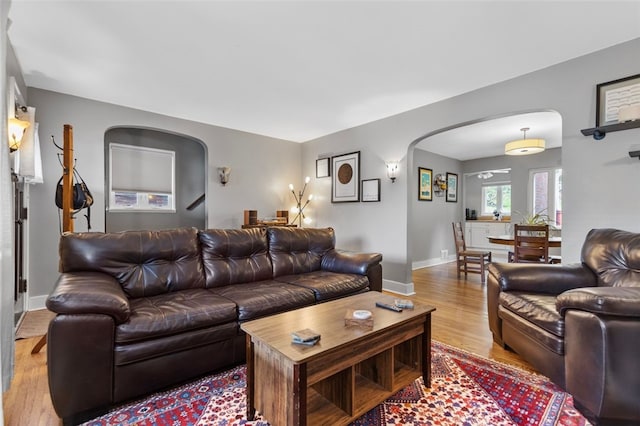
(519, 176)
(431, 220)
(598, 176)
(262, 168)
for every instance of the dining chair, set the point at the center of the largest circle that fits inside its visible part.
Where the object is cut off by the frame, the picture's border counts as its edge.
(531, 244)
(474, 261)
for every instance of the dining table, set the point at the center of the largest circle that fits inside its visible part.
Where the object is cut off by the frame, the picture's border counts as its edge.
(508, 240)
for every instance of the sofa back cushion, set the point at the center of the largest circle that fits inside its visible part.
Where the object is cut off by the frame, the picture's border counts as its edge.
(145, 263)
(614, 256)
(235, 256)
(298, 250)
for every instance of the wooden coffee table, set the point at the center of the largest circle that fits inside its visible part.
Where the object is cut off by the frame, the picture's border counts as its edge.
(347, 373)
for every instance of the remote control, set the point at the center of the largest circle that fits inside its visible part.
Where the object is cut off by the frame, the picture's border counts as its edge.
(388, 306)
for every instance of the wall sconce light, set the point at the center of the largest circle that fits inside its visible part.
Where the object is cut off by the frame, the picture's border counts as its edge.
(298, 209)
(16, 131)
(439, 184)
(392, 170)
(223, 174)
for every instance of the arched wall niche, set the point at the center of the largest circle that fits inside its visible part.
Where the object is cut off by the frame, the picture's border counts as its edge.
(190, 179)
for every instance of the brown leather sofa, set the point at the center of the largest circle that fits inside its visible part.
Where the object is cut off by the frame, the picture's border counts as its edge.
(139, 311)
(578, 324)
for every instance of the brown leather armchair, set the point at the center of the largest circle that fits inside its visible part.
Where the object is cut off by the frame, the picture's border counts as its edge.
(577, 324)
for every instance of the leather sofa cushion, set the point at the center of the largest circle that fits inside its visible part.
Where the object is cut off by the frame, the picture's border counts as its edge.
(614, 256)
(145, 263)
(528, 332)
(296, 251)
(174, 313)
(328, 285)
(153, 348)
(233, 256)
(264, 298)
(537, 308)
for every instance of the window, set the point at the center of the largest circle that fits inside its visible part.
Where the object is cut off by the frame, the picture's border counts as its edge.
(141, 179)
(496, 197)
(546, 194)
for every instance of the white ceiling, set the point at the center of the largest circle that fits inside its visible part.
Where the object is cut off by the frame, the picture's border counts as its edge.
(298, 70)
(487, 138)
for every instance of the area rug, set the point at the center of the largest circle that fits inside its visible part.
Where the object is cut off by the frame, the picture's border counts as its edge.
(465, 390)
(34, 323)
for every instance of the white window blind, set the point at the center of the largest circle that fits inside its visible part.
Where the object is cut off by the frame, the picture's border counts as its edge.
(141, 169)
(141, 178)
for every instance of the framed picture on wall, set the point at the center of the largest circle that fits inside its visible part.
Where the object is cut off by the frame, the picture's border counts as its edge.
(615, 96)
(345, 180)
(425, 184)
(370, 190)
(452, 187)
(322, 168)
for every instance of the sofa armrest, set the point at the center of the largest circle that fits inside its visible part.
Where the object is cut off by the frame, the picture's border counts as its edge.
(347, 262)
(541, 278)
(89, 293)
(617, 301)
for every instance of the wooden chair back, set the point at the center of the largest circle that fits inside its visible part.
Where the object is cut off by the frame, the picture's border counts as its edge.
(531, 243)
(475, 261)
(458, 236)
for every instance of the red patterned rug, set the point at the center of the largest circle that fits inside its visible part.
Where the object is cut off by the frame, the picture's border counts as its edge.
(465, 390)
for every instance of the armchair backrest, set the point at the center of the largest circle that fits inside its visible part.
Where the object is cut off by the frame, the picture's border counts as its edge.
(145, 263)
(298, 250)
(235, 256)
(614, 256)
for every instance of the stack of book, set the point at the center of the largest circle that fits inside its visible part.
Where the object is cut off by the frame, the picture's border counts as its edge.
(305, 337)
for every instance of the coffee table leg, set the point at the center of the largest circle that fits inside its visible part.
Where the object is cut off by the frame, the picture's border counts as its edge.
(426, 344)
(251, 410)
(300, 394)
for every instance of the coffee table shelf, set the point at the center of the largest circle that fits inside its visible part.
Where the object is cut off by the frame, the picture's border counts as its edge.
(347, 373)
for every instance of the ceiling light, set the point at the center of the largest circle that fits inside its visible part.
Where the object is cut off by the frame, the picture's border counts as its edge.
(485, 175)
(524, 146)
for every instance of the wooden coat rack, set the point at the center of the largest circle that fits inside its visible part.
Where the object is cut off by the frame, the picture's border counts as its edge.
(67, 179)
(67, 198)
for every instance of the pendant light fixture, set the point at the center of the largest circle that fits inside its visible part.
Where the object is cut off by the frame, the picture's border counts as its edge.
(524, 146)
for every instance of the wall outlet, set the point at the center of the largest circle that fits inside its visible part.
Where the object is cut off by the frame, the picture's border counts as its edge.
(444, 254)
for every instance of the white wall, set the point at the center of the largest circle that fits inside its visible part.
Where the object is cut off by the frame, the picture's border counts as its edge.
(599, 177)
(262, 168)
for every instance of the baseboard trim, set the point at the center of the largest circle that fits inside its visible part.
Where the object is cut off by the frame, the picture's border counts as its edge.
(406, 289)
(36, 302)
(431, 262)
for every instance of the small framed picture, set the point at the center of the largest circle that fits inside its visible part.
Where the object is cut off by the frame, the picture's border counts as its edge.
(322, 168)
(452, 187)
(615, 95)
(370, 190)
(425, 184)
(345, 179)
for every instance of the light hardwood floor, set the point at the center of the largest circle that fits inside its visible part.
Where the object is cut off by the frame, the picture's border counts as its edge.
(460, 320)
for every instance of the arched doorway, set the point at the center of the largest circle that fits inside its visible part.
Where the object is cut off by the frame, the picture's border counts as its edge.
(154, 180)
(429, 236)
